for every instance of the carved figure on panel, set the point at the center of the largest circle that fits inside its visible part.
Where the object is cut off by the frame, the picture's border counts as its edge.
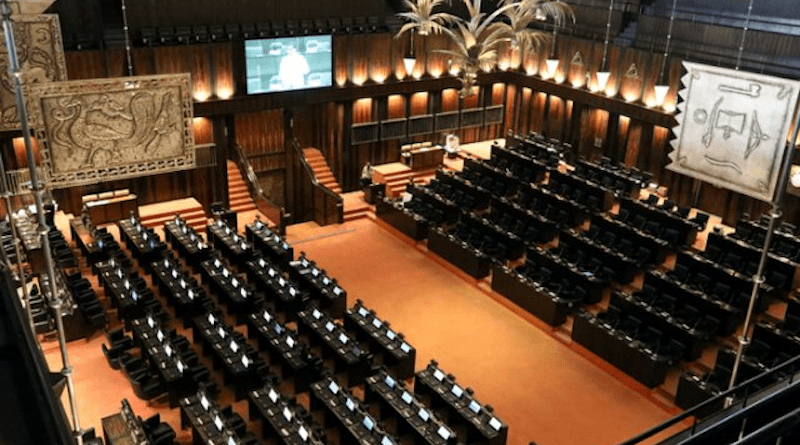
(41, 57)
(108, 129)
(115, 127)
(632, 72)
(732, 128)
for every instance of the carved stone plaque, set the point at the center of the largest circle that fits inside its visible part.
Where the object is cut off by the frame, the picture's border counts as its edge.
(732, 128)
(41, 59)
(105, 129)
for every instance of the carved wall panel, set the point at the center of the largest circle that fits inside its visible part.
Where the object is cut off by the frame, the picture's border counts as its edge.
(732, 128)
(104, 129)
(41, 59)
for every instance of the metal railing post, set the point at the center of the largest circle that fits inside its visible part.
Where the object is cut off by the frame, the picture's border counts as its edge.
(38, 191)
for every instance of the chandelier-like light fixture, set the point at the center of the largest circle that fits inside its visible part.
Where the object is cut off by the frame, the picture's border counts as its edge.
(661, 88)
(478, 37)
(409, 60)
(603, 74)
(552, 60)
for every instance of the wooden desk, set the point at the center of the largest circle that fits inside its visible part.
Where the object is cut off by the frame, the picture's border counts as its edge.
(117, 431)
(424, 158)
(112, 209)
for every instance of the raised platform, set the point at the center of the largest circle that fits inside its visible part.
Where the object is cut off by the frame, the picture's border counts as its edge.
(155, 215)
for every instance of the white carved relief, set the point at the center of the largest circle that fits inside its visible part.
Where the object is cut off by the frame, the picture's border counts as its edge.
(732, 128)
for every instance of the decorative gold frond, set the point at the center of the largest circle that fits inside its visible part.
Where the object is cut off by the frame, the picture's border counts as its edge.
(478, 37)
(423, 19)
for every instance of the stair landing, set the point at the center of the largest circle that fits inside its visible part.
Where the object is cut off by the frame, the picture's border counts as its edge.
(355, 207)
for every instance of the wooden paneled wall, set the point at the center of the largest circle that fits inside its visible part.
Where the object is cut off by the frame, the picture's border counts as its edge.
(376, 59)
(260, 132)
(203, 131)
(210, 65)
(20, 155)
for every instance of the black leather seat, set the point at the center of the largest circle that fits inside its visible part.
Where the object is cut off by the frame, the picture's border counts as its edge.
(118, 345)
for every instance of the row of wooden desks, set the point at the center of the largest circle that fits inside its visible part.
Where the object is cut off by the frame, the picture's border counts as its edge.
(346, 412)
(280, 418)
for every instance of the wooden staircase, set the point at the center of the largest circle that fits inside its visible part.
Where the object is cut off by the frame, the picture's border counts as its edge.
(238, 194)
(321, 169)
(396, 182)
(155, 215)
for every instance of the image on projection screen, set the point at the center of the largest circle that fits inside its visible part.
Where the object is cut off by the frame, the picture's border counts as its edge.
(289, 63)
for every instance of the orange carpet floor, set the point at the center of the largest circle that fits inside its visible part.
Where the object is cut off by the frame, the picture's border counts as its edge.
(544, 389)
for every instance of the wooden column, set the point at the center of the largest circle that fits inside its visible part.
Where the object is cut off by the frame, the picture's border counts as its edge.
(574, 129)
(350, 169)
(486, 101)
(615, 152)
(290, 189)
(546, 116)
(224, 137)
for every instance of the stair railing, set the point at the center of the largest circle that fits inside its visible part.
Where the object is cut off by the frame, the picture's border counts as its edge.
(328, 206)
(272, 211)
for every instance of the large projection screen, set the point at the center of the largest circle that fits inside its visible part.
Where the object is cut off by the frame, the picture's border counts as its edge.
(288, 63)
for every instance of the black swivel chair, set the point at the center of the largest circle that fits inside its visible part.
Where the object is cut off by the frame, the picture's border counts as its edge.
(118, 345)
(651, 340)
(680, 273)
(629, 327)
(610, 318)
(701, 220)
(647, 295)
(664, 304)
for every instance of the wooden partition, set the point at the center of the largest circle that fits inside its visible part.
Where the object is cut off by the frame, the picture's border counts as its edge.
(308, 200)
(198, 183)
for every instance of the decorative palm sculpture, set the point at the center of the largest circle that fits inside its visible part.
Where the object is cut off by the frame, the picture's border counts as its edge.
(422, 18)
(479, 37)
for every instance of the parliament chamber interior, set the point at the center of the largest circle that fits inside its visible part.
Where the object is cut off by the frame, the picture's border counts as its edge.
(385, 222)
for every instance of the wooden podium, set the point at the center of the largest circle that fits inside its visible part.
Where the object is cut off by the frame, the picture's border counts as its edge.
(110, 206)
(424, 158)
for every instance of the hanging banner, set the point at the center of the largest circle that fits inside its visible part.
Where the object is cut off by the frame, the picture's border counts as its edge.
(732, 128)
(106, 129)
(40, 53)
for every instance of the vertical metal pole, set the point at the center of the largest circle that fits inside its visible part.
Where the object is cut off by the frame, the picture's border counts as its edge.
(660, 79)
(608, 34)
(38, 191)
(5, 195)
(697, 193)
(127, 38)
(774, 215)
(744, 35)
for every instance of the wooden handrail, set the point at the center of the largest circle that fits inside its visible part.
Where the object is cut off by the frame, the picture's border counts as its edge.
(271, 210)
(323, 217)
